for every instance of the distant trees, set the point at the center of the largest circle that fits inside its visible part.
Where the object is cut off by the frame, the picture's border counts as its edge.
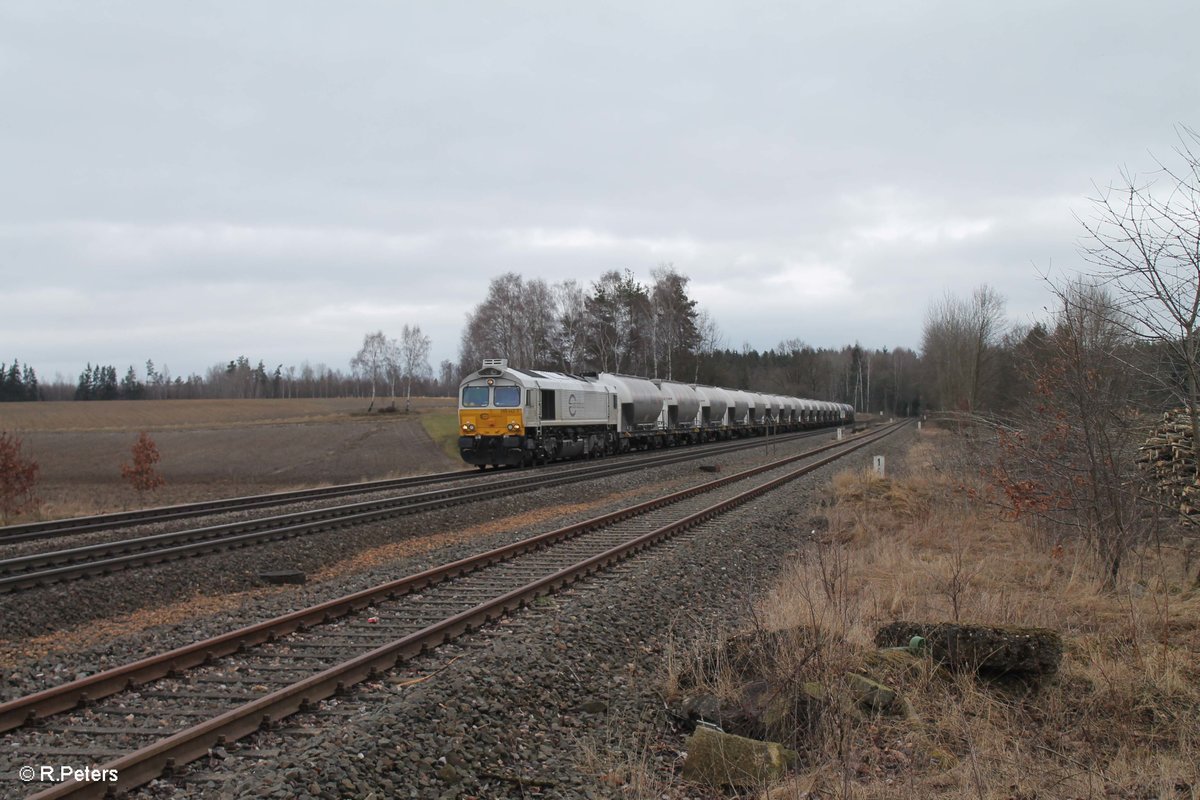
(383, 359)
(18, 476)
(374, 360)
(238, 378)
(619, 324)
(414, 359)
(131, 387)
(98, 383)
(448, 376)
(960, 347)
(18, 383)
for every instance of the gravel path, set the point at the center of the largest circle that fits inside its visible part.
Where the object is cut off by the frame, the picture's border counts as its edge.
(556, 701)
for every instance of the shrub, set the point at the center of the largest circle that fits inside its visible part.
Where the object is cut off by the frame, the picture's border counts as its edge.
(18, 475)
(142, 474)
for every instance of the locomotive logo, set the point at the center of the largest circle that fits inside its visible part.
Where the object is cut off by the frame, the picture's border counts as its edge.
(573, 404)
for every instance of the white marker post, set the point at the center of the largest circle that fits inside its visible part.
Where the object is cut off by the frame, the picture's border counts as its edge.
(879, 466)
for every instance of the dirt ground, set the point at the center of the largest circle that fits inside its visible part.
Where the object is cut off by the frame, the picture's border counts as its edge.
(217, 448)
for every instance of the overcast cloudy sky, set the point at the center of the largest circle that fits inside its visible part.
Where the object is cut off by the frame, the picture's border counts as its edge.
(189, 182)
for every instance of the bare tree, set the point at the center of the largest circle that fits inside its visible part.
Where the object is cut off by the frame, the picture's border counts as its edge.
(516, 321)
(373, 359)
(674, 320)
(959, 345)
(709, 340)
(1143, 241)
(1069, 459)
(571, 329)
(414, 359)
(448, 376)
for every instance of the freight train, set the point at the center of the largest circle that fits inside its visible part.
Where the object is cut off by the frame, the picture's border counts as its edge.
(517, 417)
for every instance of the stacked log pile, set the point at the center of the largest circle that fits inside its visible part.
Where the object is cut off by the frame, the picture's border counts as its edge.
(1169, 460)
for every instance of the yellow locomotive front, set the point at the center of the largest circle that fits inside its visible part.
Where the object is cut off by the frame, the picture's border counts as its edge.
(491, 424)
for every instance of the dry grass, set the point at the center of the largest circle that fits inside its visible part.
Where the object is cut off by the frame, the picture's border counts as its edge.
(626, 768)
(1121, 719)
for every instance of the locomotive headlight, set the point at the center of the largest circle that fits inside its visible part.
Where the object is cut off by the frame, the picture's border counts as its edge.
(470, 426)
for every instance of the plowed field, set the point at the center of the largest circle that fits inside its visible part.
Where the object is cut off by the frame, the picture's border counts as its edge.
(219, 448)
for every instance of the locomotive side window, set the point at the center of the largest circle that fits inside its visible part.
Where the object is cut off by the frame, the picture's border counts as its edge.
(475, 397)
(507, 396)
(529, 398)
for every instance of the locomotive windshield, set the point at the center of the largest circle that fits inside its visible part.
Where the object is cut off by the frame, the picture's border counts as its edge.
(507, 396)
(475, 397)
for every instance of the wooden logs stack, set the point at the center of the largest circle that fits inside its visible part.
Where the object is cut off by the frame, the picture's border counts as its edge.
(1168, 459)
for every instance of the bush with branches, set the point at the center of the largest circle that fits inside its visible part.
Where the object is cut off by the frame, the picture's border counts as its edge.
(18, 474)
(142, 474)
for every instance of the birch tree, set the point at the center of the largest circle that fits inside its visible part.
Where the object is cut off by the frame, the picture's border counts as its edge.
(414, 359)
(373, 359)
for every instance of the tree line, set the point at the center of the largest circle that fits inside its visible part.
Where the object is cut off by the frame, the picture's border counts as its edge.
(238, 378)
(18, 383)
(656, 329)
(617, 324)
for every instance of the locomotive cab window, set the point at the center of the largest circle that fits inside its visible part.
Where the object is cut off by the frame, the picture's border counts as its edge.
(475, 397)
(507, 396)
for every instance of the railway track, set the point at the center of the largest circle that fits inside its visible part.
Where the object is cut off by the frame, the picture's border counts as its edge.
(29, 531)
(142, 719)
(58, 528)
(59, 565)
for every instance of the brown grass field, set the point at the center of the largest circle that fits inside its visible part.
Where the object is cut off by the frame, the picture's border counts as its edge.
(1121, 719)
(219, 448)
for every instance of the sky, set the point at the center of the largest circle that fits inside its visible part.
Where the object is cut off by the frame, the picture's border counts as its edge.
(190, 182)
